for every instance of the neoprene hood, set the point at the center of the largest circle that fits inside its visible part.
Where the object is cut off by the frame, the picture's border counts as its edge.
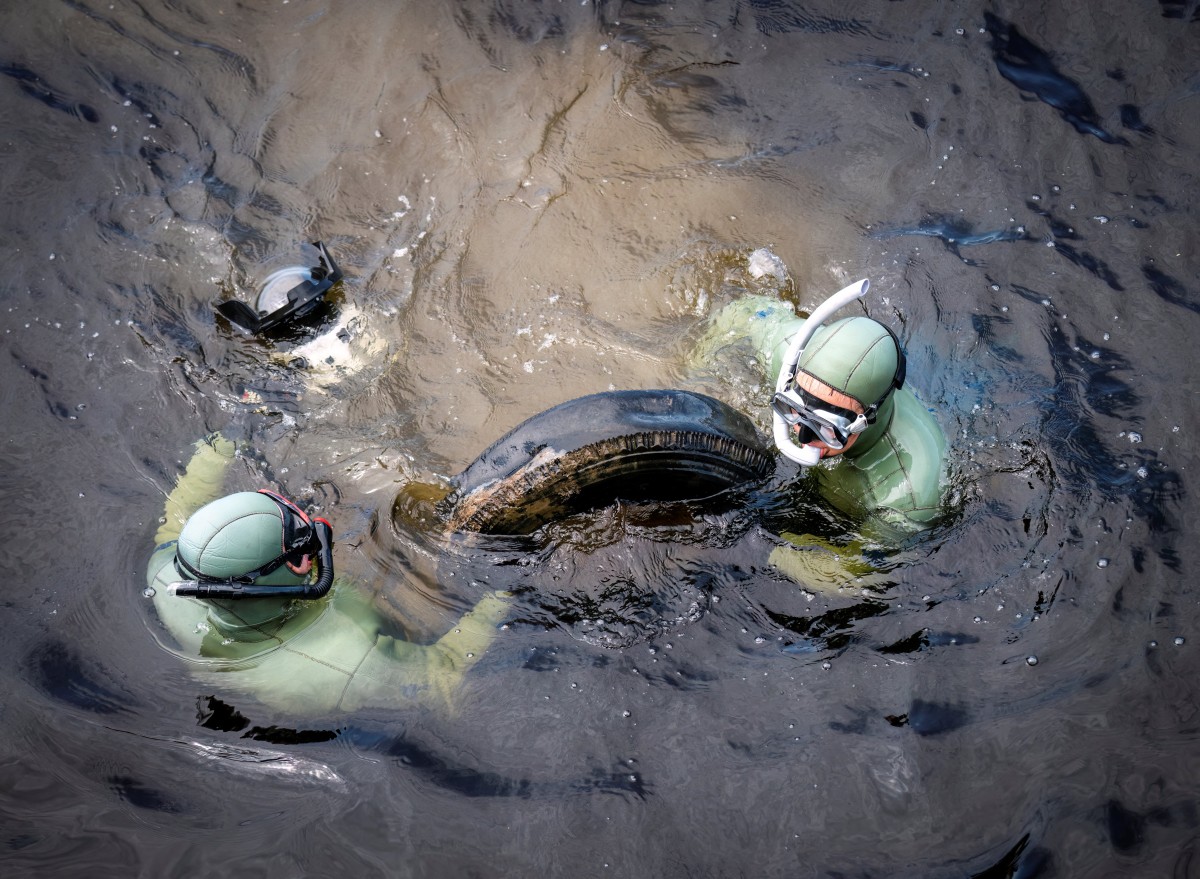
(234, 535)
(856, 355)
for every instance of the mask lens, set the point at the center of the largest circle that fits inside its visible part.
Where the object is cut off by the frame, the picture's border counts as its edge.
(785, 409)
(796, 407)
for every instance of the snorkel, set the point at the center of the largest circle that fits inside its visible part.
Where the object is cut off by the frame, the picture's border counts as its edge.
(235, 588)
(279, 303)
(807, 455)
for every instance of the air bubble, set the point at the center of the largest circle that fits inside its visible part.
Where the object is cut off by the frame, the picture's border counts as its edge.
(1031, 660)
(827, 665)
(1180, 641)
(148, 592)
(1102, 563)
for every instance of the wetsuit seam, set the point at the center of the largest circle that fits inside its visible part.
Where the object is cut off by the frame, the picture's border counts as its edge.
(860, 361)
(256, 627)
(909, 492)
(357, 666)
(329, 665)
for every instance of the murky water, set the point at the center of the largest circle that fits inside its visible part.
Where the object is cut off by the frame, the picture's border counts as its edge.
(538, 200)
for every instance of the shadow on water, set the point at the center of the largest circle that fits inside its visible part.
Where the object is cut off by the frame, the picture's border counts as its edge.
(1091, 384)
(419, 759)
(58, 671)
(415, 757)
(954, 232)
(1028, 67)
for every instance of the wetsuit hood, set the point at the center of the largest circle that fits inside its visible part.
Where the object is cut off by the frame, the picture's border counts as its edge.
(855, 355)
(236, 535)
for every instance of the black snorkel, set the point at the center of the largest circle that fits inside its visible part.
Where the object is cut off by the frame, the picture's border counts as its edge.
(234, 588)
(301, 299)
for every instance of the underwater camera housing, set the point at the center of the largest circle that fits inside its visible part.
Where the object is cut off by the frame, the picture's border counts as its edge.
(287, 295)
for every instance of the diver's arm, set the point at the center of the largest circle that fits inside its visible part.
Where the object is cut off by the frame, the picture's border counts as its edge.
(820, 565)
(464, 644)
(397, 671)
(889, 527)
(764, 323)
(458, 649)
(201, 482)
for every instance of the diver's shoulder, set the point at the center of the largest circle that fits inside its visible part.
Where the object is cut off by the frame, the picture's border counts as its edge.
(918, 439)
(915, 427)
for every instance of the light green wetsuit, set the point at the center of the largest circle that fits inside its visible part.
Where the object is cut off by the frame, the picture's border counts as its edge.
(314, 657)
(894, 475)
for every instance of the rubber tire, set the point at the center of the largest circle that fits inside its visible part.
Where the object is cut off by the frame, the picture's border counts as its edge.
(638, 446)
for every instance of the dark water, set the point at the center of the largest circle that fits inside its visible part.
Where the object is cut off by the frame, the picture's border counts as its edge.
(538, 200)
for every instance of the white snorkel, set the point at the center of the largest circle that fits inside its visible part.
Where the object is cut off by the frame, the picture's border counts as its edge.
(807, 456)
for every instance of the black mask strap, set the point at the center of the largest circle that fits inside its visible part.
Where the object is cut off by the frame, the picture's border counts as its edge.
(897, 378)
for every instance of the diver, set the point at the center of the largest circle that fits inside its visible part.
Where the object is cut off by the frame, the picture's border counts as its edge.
(841, 409)
(313, 335)
(247, 591)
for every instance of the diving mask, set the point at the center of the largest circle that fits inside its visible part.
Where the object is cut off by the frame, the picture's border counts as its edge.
(833, 426)
(287, 295)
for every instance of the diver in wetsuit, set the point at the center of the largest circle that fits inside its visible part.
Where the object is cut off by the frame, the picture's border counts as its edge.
(841, 409)
(247, 592)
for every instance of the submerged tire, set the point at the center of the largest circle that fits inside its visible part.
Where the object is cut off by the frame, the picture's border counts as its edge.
(640, 446)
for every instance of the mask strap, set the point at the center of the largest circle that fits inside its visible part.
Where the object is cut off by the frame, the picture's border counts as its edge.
(897, 377)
